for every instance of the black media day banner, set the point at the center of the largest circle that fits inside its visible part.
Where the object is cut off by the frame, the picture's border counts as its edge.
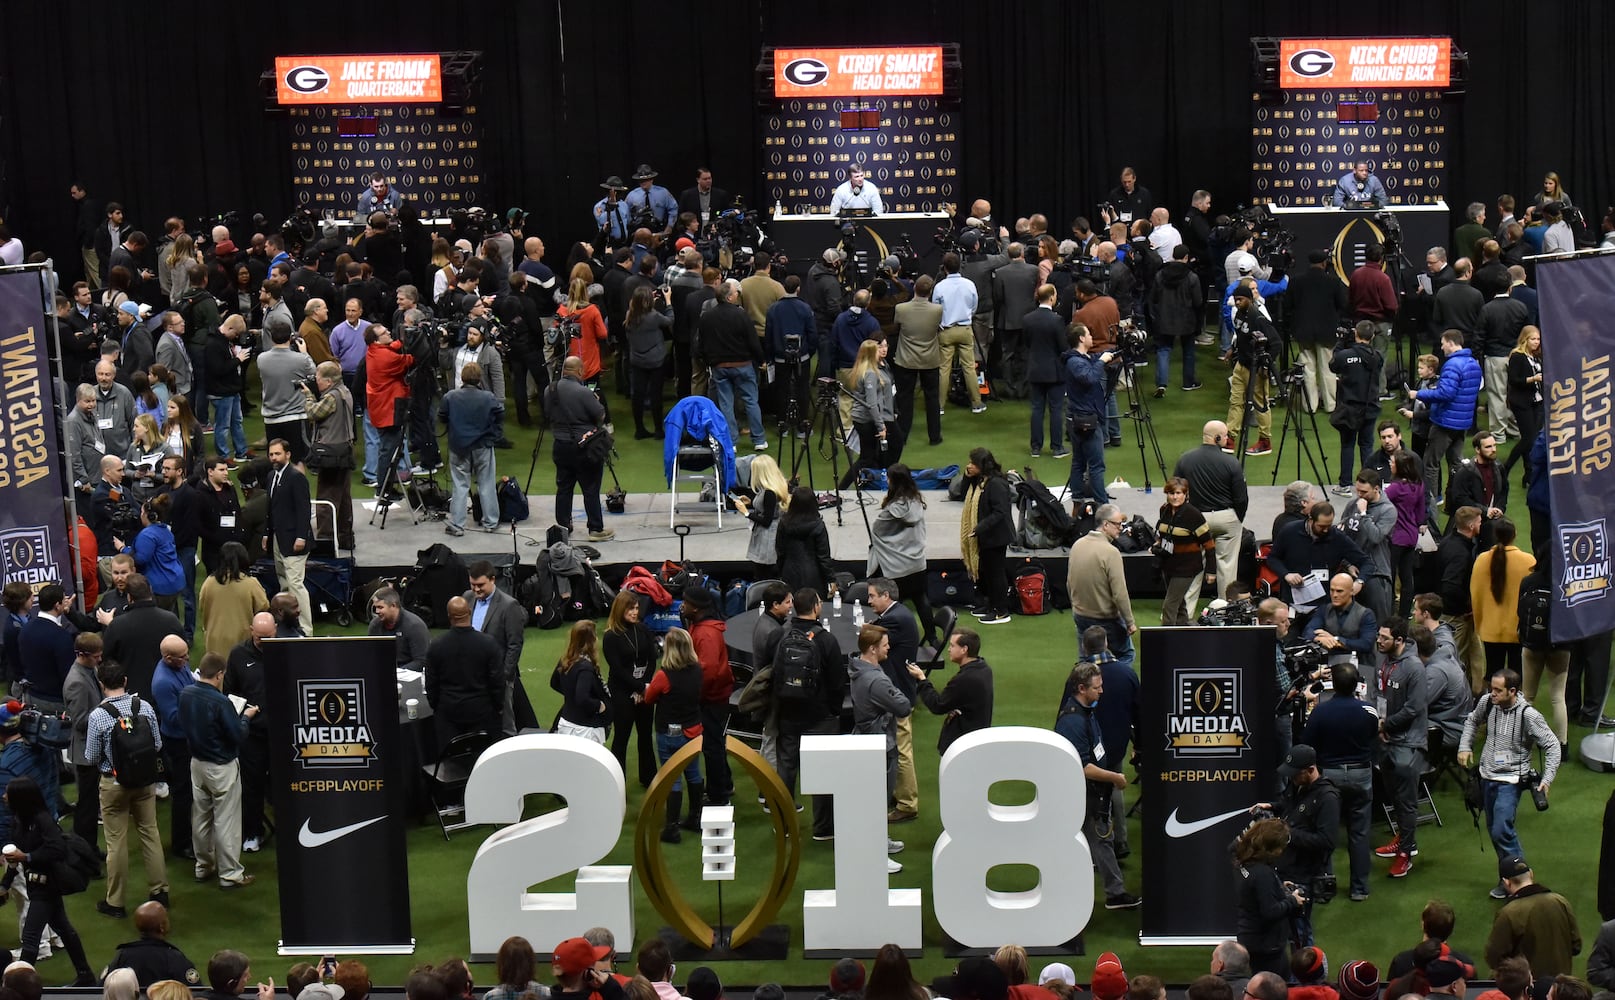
(1577, 299)
(337, 767)
(35, 542)
(1208, 709)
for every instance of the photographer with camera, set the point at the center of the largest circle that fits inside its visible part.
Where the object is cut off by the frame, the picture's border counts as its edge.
(1255, 338)
(651, 206)
(1310, 807)
(280, 370)
(1513, 726)
(1357, 367)
(1085, 414)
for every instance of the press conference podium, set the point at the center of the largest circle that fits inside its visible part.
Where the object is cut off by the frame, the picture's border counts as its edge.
(1348, 232)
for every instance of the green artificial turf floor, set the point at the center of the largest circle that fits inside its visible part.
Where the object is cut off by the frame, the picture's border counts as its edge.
(1031, 658)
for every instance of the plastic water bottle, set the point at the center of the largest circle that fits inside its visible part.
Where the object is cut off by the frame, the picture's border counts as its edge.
(835, 603)
(777, 210)
(761, 607)
(858, 613)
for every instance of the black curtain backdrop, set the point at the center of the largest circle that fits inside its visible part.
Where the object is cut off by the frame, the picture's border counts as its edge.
(159, 107)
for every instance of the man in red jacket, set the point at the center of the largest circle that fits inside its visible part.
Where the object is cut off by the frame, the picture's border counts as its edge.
(1373, 297)
(385, 387)
(88, 564)
(707, 626)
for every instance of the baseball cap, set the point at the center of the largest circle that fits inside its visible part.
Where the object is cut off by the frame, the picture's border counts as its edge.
(833, 255)
(892, 264)
(463, 245)
(1246, 263)
(1299, 758)
(703, 984)
(1109, 980)
(1057, 971)
(1512, 866)
(131, 308)
(576, 954)
(846, 976)
(970, 239)
(11, 715)
(224, 248)
(1318, 256)
(1359, 980)
(1447, 970)
(683, 241)
(978, 978)
(321, 991)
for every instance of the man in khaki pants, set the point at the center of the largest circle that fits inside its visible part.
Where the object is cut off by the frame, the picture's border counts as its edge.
(122, 801)
(957, 296)
(216, 731)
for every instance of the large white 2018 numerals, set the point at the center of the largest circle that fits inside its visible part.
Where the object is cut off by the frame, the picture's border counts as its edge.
(1046, 833)
(860, 909)
(536, 850)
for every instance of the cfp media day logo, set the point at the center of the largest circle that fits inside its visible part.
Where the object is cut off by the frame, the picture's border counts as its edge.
(1206, 720)
(1585, 547)
(331, 730)
(25, 556)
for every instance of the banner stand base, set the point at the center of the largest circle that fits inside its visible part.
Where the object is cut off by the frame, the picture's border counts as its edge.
(1187, 940)
(953, 949)
(345, 949)
(772, 944)
(1598, 751)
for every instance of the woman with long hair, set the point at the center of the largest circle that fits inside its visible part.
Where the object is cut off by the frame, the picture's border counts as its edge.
(802, 545)
(116, 293)
(648, 327)
(1265, 905)
(1494, 597)
(1012, 960)
(182, 434)
(162, 386)
(771, 497)
(630, 653)
(897, 546)
(229, 598)
(874, 413)
(146, 401)
(1525, 396)
(585, 703)
(1048, 257)
(144, 459)
(174, 273)
(587, 345)
(985, 531)
(1552, 190)
(515, 966)
(156, 555)
(38, 845)
(676, 693)
(1407, 494)
(1188, 553)
(891, 977)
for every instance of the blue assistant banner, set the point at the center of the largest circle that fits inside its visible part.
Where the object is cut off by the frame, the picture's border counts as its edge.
(35, 542)
(1577, 299)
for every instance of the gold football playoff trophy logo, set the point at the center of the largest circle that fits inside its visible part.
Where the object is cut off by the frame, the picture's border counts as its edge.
(1206, 720)
(331, 730)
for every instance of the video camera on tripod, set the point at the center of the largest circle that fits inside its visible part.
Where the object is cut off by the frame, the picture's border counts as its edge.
(1095, 270)
(908, 258)
(1390, 231)
(1273, 242)
(979, 240)
(1133, 343)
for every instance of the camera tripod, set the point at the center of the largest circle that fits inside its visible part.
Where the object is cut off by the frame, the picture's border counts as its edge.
(791, 425)
(387, 480)
(1298, 417)
(1138, 411)
(1261, 371)
(830, 425)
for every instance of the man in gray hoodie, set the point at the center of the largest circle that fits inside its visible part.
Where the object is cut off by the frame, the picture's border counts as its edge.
(876, 707)
(1369, 521)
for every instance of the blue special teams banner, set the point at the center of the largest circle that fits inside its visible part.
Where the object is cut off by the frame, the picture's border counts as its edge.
(1577, 299)
(35, 541)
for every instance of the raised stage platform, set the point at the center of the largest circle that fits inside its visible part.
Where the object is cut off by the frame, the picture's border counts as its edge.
(644, 535)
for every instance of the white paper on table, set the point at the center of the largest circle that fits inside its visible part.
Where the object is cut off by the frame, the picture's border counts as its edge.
(409, 676)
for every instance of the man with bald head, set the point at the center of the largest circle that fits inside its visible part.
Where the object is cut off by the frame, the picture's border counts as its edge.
(244, 676)
(465, 677)
(170, 678)
(152, 957)
(1217, 489)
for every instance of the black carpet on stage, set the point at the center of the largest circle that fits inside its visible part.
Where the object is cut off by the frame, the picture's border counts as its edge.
(166, 115)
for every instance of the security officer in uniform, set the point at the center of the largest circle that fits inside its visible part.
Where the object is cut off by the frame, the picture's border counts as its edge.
(153, 957)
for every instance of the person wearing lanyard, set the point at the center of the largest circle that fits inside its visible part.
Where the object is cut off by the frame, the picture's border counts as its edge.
(1078, 724)
(1343, 730)
(957, 296)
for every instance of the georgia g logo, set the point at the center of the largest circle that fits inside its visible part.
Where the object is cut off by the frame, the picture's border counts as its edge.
(1312, 63)
(307, 79)
(806, 72)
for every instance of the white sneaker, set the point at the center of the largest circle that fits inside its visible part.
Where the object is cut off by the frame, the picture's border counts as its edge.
(760, 446)
(893, 866)
(893, 846)
(162, 789)
(251, 845)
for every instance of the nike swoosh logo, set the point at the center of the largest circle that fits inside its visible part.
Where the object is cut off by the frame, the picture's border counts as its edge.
(1176, 828)
(308, 838)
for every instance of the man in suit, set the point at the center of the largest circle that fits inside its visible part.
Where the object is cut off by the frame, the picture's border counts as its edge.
(45, 648)
(1015, 294)
(498, 615)
(286, 533)
(704, 201)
